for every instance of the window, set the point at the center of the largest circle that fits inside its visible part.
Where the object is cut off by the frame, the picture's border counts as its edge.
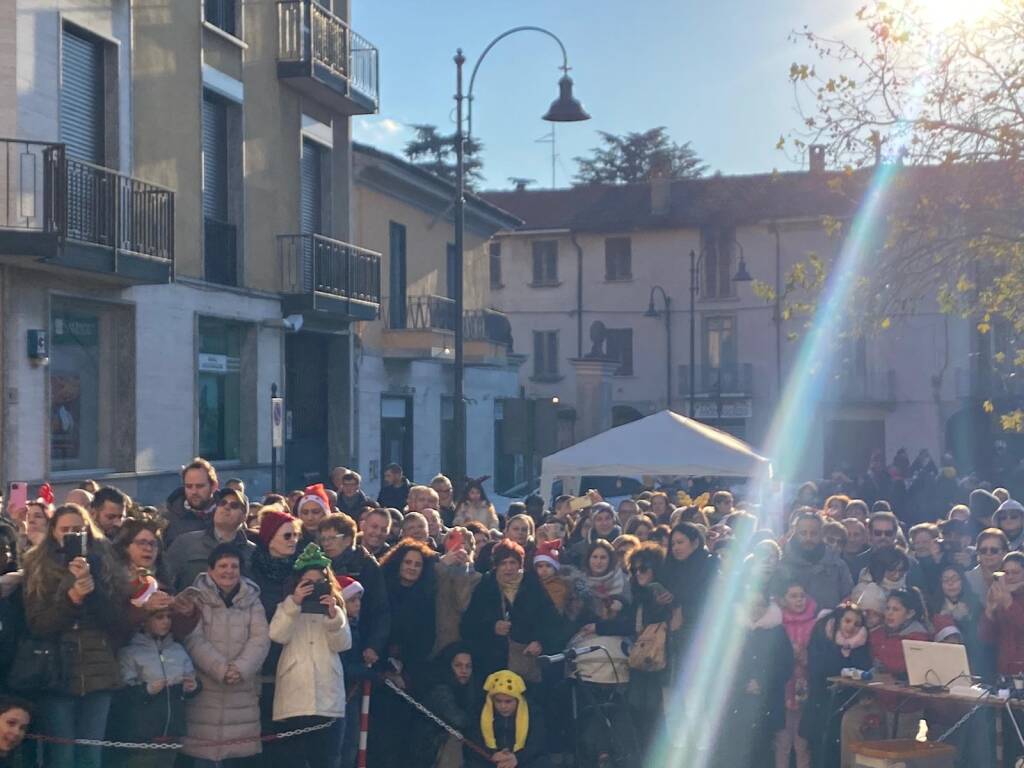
(618, 259)
(220, 243)
(720, 342)
(545, 354)
(396, 275)
(82, 103)
(545, 262)
(396, 432)
(619, 345)
(221, 13)
(92, 385)
(495, 254)
(718, 246)
(219, 388)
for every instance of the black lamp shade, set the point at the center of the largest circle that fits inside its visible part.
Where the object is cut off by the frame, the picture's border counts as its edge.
(742, 276)
(566, 109)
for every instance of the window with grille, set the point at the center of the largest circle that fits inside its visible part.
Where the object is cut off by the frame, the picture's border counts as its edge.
(545, 262)
(618, 259)
(545, 354)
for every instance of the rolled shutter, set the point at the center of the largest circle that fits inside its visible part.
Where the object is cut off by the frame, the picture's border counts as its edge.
(81, 96)
(215, 161)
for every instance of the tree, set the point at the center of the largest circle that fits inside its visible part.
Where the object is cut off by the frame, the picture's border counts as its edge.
(435, 152)
(940, 108)
(636, 157)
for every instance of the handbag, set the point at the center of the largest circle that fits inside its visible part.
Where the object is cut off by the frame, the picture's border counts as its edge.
(527, 667)
(40, 665)
(648, 652)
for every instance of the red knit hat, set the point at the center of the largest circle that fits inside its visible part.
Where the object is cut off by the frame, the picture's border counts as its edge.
(318, 494)
(270, 522)
(548, 552)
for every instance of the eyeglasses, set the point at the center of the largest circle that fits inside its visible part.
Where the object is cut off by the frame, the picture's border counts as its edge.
(990, 551)
(146, 543)
(288, 535)
(235, 505)
(332, 537)
(641, 569)
(883, 532)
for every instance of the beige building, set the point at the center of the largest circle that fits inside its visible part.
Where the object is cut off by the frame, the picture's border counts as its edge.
(404, 359)
(175, 238)
(611, 255)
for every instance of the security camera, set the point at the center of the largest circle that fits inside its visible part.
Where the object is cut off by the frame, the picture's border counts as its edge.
(292, 323)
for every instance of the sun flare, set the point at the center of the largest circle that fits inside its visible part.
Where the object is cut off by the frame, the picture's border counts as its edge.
(947, 13)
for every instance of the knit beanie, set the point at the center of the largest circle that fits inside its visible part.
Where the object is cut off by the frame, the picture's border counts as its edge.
(1010, 505)
(270, 521)
(350, 588)
(312, 557)
(547, 552)
(982, 504)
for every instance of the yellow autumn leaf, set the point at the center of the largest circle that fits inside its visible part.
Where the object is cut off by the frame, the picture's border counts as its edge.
(988, 406)
(886, 322)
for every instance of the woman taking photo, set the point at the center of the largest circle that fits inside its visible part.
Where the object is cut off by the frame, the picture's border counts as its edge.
(310, 687)
(228, 648)
(74, 593)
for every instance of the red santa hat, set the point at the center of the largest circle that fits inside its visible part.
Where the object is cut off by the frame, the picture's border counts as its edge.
(143, 588)
(548, 552)
(350, 588)
(317, 494)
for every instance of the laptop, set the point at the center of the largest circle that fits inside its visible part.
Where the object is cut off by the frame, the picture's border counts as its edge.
(936, 664)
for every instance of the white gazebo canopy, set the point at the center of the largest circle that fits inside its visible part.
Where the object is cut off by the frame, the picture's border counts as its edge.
(663, 443)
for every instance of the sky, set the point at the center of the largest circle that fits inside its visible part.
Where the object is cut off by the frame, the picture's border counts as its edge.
(714, 73)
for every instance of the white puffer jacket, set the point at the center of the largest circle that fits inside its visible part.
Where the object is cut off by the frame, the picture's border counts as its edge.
(236, 635)
(310, 679)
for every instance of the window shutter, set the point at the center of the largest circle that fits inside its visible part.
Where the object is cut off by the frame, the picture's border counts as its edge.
(215, 159)
(81, 97)
(311, 192)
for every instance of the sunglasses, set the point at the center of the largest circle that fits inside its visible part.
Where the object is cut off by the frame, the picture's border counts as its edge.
(641, 569)
(883, 532)
(235, 505)
(288, 535)
(990, 551)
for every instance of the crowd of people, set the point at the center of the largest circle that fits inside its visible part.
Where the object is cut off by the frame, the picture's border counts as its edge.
(218, 622)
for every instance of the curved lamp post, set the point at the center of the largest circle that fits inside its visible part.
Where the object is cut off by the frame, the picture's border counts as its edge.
(564, 109)
(652, 312)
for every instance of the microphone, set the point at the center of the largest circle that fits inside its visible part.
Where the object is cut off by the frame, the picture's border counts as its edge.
(569, 654)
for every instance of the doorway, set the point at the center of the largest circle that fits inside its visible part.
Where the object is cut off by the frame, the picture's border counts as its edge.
(306, 409)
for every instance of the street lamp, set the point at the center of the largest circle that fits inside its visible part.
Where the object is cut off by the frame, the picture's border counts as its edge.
(741, 276)
(652, 312)
(564, 109)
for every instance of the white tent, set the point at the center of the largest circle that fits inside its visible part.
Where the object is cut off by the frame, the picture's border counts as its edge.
(663, 443)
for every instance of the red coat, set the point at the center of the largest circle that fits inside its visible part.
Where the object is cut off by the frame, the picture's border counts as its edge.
(1006, 632)
(887, 651)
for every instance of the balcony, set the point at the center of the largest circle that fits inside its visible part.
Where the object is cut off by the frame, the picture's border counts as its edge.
(424, 327)
(733, 380)
(320, 56)
(988, 383)
(323, 275)
(876, 387)
(77, 215)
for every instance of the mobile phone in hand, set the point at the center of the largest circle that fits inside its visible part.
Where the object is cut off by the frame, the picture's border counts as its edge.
(312, 603)
(75, 545)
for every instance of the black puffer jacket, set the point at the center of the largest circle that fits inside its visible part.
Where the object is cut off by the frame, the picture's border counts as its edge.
(375, 613)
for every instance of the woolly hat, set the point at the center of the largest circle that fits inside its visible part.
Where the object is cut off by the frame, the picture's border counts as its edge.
(270, 522)
(982, 504)
(868, 596)
(318, 494)
(312, 557)
(1007, 506)
(510, 684)
(547, 552)
(350, 588)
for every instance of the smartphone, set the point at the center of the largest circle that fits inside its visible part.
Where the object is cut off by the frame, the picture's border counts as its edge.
(312, 603)
(576, 503)
(17, 496)
(453, 541)
(657, 589)
(75, 545)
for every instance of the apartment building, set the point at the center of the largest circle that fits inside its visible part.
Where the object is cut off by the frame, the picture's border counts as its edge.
(617, 258)
(175, 238)
(404, 359)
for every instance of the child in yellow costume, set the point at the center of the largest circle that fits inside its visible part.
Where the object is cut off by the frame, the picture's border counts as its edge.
(511, 728)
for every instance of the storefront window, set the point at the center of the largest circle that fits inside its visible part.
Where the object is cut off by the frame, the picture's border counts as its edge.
(76, 380)
(219, 388)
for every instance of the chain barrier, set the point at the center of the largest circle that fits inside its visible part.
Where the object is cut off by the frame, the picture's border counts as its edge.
(436, 720)
(178, 745)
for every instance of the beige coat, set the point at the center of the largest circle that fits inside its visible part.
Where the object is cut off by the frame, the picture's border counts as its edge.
(236, 635)
(310, 680)
(455, 585)
(481, 512)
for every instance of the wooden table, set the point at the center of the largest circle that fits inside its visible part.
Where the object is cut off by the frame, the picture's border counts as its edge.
(887, 685)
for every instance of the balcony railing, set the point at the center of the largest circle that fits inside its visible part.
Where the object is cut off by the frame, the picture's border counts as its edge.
(309, 35)
(487, 325)
(421, 313)
(42, 190)
(316, 264)
(736, 379)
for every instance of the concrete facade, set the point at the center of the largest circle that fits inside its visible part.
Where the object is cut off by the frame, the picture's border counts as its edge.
(902, 385)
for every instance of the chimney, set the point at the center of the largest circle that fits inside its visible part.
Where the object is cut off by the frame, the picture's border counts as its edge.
(816, 158)
(661, 185)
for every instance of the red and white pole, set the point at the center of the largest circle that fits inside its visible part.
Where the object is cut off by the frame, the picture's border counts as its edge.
(364, 723)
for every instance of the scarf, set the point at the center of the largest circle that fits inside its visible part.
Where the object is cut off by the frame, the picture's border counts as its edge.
(557, 590)
(957, 609)
(509, 589)
(611, 584)
(847, 645)
(229, 597)
(274, 569)
(769, 620)
(892, 586)
(510, 684)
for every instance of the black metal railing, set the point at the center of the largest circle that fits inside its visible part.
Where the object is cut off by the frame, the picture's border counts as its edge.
(220, 252)
(308, 32)
(711, 380)
(487, 325)
(874, 386)
(320, 264)
(43, 190)
(423, 313)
